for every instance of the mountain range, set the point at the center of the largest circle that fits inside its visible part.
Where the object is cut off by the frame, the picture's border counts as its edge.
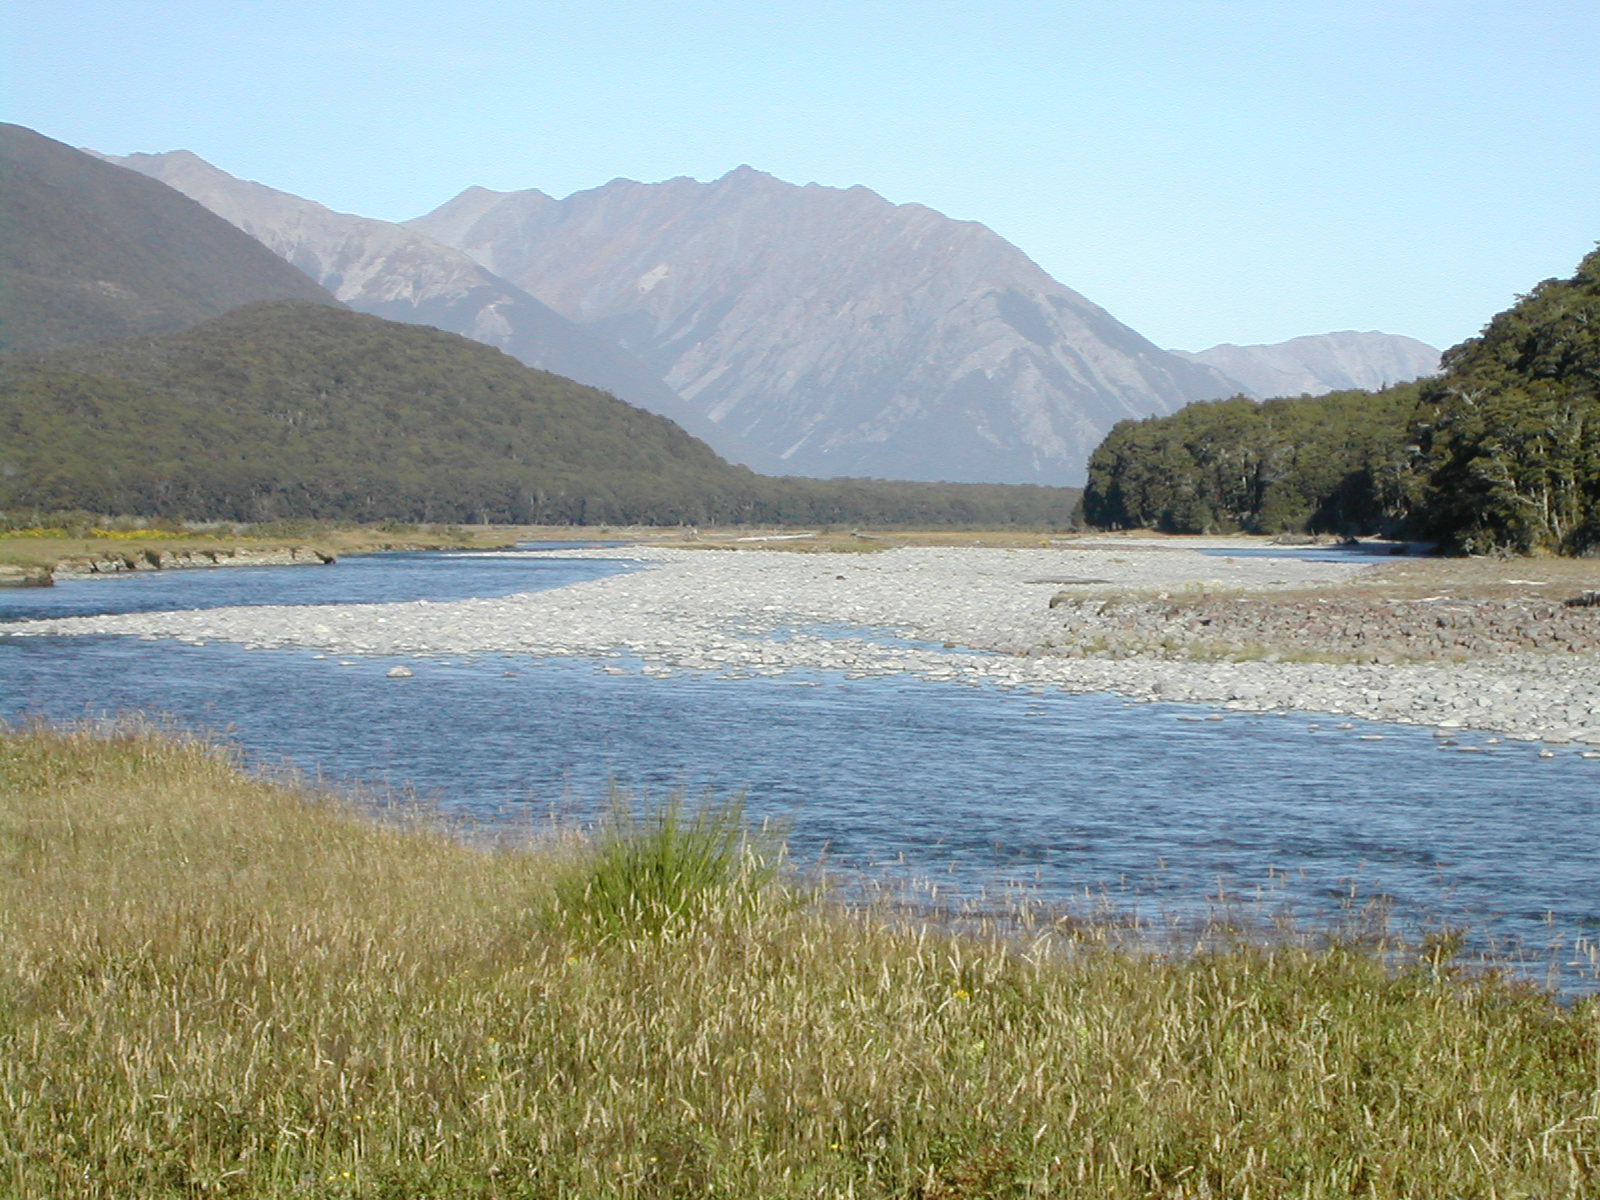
(271, 399)
(807, 330)
(388, 270)
(803, 330)
(835, 330)
(1317, 365)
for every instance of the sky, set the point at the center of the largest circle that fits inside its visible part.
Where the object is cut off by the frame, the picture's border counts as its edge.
(1207, 170)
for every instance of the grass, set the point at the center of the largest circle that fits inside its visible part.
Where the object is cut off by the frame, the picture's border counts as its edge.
(212, 985)
(81, 537)
(46, 547)
(663, 873)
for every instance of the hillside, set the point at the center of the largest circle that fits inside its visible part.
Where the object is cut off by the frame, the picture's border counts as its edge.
(1508, 438)
(1336, 463)
(831, 329)
(391, 271)
(89, 250)
(292, 409)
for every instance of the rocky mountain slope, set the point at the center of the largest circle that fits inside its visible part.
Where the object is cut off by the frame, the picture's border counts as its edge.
(390, 271)
(1316, 365)
(89, 250)
(841, 334)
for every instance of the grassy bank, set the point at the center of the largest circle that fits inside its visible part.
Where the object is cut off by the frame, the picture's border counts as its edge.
(210, 986)
(85, 539)
(76, 544)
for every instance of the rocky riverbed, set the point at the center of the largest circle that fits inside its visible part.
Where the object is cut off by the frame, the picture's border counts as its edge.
(1146, 620)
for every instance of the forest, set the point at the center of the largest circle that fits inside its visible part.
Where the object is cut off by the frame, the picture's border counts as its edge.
(290, 409)
(1498, 453)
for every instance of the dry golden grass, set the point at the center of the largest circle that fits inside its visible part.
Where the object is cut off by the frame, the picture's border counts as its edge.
(210, 986)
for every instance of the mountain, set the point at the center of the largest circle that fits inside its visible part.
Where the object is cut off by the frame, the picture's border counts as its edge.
(1316, 365)
(831, 329)
(293, 409)
(89, 250)
(390, 271)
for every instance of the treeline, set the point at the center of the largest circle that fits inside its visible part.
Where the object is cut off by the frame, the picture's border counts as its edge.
(1500, 452)
(296, 411)
(1335, 463)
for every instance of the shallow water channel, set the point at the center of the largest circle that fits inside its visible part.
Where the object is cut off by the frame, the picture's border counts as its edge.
(951, 791)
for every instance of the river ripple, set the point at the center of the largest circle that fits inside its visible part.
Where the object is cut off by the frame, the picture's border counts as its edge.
(1077, 799)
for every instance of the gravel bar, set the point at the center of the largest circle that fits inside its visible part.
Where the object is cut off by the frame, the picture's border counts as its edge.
(964, 615)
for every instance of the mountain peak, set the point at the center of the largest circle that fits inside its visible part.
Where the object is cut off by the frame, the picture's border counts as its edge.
(838, 332)
(745, 173)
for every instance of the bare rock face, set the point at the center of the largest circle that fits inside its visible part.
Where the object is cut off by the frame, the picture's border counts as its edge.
(837, 333)
(390, 271)
(1316, 365)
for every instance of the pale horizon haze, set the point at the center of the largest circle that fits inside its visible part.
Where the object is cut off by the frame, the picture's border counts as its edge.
(1240, 171)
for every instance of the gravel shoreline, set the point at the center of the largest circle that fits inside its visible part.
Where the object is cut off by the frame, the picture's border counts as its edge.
(1148, 621)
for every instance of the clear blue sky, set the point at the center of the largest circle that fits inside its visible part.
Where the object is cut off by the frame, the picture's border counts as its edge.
(1208, 170)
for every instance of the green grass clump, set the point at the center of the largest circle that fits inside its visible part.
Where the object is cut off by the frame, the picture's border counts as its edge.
(662, 872)
(214, 986)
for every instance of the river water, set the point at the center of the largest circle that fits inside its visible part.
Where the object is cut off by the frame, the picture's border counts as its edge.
(946, 791)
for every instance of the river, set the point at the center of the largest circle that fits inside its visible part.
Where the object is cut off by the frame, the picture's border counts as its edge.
(943, 790)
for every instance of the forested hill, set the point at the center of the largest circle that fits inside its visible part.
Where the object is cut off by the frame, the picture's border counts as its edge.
(292, 409)
(1500, 452)
(90, 250)
(1322, 463)
(1509, 434)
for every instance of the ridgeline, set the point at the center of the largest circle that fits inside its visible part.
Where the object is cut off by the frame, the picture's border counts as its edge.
(89, 250)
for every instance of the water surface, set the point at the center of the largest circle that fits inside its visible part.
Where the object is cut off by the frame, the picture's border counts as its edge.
(1153, 807)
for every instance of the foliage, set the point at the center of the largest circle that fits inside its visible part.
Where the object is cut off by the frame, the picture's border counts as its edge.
(210, 986)
(293, 411)
(1499, 453)
(1510, 433)
(1333, 463)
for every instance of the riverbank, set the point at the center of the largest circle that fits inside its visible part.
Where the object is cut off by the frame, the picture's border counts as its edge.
(1456, 644)
(213, 985)
(37, 557)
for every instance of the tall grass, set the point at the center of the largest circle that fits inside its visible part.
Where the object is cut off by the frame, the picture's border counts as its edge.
(211, 986)
(663, 872)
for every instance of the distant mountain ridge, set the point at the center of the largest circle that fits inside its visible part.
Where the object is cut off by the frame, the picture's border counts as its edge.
(832, 329)
(89, 250)
(388, 270)
(1318, 364)
(805, 330)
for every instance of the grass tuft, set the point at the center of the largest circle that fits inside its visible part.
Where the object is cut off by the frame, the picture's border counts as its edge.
(663, 871)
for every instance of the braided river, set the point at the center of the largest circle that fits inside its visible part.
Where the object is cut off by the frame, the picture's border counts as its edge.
(942, 792)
